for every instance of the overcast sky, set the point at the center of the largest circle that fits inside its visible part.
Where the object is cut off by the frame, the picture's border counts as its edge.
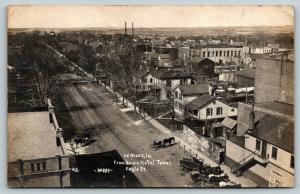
(148, 16)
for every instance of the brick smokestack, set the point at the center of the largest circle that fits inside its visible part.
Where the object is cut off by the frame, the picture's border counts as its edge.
(132, 30)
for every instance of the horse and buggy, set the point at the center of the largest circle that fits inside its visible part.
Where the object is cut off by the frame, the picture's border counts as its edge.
(160, 143)
(81, 140)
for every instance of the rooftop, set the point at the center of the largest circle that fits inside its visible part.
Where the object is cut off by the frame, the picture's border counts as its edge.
(193, 89)
(275, 130)
(200, 102)
(229, 123)
(217, 46)
(31, 136)
(250, 73)
(170, 74)
(278, 107)
(275, 56)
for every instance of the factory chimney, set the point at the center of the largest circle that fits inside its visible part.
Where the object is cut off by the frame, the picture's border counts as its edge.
(132, 29)
(125, 28)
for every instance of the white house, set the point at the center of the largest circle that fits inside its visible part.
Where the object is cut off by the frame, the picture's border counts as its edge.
(186, 93)
(165, 81)
(207, 107)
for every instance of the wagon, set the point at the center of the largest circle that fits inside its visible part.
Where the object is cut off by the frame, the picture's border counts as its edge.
(163, 143)
(189, 164)
(82, 139)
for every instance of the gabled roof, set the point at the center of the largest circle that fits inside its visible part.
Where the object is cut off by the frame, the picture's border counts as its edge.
(275, 130)
(193, 89)
(200, 102)
(229, 123)
(170, 74)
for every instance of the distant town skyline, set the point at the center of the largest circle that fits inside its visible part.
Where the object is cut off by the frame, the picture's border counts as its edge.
(148, 16)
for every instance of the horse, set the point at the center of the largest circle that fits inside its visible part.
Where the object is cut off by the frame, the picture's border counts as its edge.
(169, 141)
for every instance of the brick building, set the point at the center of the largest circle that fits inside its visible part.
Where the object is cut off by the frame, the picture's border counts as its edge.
(274, 78)
(34, 158)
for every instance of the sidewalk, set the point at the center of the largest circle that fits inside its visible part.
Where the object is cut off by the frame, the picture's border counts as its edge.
(187, 147)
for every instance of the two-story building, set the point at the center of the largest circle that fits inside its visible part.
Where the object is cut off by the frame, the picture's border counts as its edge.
(263, 149)
(162, 82)
(210, 111)
(186, 93)
(219, 53)
(207, 107)
(35, 158)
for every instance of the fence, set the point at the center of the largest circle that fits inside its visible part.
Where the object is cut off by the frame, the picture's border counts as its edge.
(202, 144)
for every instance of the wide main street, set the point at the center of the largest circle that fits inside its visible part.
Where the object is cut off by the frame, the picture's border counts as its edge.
(92, 111)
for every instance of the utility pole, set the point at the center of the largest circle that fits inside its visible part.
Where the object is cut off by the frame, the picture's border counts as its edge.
(246, 93)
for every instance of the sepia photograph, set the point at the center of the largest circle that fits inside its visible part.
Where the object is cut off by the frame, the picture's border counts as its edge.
(150, 96)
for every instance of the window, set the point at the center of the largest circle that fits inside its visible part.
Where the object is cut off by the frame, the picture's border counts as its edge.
(257, 146)
(208, 53)
(38, 167)
(216, 53)
(32, 167)
(231, 53)
(232, 110)
(209, 112)
(220, 54)
(292, 161)
(239, 53)
(235, 53)
(203, 54)
(195, 112)
(227, 53)
(44, 165)
(176, 94)
(151, 80)
(219, 110)
(274, 153)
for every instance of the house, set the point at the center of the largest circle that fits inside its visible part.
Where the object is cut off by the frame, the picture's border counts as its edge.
(229, 127)
(35, 158)
(227, 76)
(263, 149)
(204, 67)
(245, 78)
(186, 93)
(207, 107)
(210, 111)
(163, 82)
(164, 60)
